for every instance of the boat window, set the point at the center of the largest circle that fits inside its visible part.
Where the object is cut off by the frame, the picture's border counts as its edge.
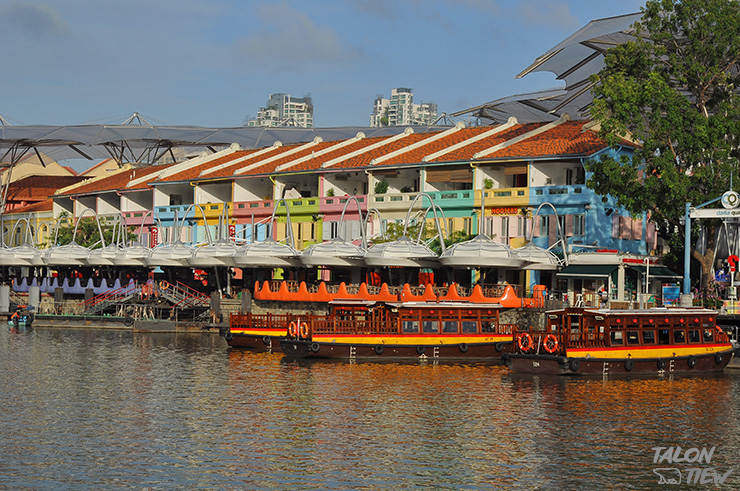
(617, 338)
(664, 336)
(449, 326)
(708, 335)
(633, 337)
(410, 326)
(487, 327)
(431, 326)
(648, 337)
(469, 326)
(679, 336)
(694, 336)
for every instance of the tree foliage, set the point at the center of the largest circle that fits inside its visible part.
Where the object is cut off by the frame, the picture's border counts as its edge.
(88, 234)
(673, 90)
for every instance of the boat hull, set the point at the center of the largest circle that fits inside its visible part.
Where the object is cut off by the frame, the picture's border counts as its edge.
(306, 348)
(565, 365)
(256, 339)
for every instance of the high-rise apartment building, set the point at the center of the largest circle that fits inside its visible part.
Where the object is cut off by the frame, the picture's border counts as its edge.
(284, 110)
(400, 110)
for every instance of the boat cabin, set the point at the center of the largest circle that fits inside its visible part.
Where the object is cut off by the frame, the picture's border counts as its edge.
(431, 318)
(585, 328)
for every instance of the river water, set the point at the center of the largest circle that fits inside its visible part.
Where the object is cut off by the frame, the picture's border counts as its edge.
(94, 409)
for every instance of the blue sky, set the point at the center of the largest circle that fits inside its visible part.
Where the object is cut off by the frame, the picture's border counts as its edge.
(212, 63)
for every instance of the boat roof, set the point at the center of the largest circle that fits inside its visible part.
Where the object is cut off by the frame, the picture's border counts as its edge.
(416, 304)
(653, 311)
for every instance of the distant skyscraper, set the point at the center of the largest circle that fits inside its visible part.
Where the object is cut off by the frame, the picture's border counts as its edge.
(284, 110)
(400, 110)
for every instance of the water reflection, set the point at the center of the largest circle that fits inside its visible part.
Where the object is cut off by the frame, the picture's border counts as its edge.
(115, 410)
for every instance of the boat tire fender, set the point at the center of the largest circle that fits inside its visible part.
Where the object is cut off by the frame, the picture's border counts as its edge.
(499, 347)
(691, 362)
(719, 358)
(629, 365)
(661, 364)
(421, 349)
(228, 336)
(574, 365)
(266, 339)
(463, 347)
(314, 347)
(379, 349)
(128, 321)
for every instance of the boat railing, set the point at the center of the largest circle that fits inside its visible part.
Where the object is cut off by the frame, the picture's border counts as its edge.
(262, 321)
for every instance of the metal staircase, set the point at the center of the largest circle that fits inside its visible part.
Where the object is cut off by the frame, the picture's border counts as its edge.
(112, 298)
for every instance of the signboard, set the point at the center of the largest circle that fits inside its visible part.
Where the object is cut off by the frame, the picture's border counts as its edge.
(154, 238)
(713, 213)
(671, 294)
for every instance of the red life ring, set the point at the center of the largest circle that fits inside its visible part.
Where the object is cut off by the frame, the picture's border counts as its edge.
(304, 330)
(524, 347)
(551, 343)
(293, 329)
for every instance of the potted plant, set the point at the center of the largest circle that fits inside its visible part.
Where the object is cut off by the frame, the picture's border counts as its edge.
(330, 192)
(381, 187)
(487, 183)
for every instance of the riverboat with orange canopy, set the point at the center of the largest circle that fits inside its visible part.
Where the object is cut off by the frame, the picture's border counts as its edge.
(603, 341)
(375, 330)
(263, 331)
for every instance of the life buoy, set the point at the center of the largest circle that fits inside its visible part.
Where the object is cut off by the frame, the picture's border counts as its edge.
(303, 330)
(524, 341)
(551, 343)
(629, 365)
(293, 329)
(691, 362)
(314, 347)
(379, 349)
(163, 285)
(463, 347)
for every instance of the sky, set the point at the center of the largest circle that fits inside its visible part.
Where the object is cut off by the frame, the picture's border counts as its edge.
(214, 63)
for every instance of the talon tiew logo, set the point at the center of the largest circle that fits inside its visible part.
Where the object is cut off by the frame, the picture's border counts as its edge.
(695, 457)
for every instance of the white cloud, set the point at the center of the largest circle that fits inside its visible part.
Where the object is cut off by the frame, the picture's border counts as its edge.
(33, 20)
(290, 39)
(549, 13)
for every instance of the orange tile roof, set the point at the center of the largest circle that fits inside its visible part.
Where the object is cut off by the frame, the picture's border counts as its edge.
(117, 181)
(41, 206)
(193, 172)
(38, 188)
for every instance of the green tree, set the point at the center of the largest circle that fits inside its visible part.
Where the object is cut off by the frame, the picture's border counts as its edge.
(673, 90)
(88, 233)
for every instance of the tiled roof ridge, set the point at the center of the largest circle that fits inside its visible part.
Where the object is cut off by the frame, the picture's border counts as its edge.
(542, 129)
(92, 180)
(241, 159)
(370, 148)
(288, 152)
(234, 147)
(497, 129)
(340, 144)
(419, 144)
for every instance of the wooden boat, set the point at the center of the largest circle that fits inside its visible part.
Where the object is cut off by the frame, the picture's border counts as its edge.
(259, 331)
(368, 329)
(601, 341)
